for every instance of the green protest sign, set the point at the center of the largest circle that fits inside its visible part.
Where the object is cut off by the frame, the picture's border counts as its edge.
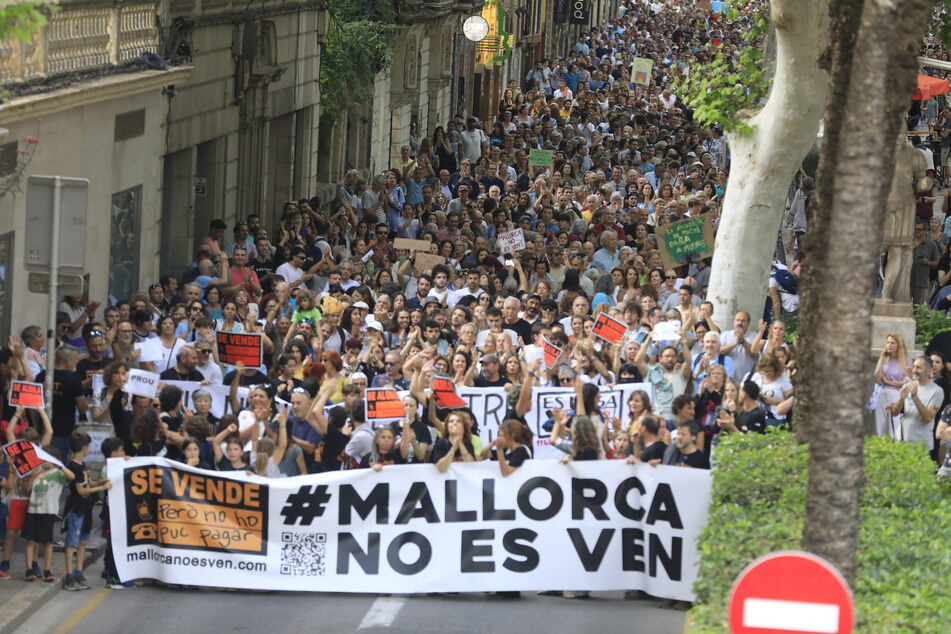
(685, 241)
(541, 158)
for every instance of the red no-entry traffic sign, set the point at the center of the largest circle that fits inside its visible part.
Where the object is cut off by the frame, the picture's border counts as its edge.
(790, 591)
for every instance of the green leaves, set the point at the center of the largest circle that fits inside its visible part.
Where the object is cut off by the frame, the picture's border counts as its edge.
(21, 19)
(928, 323)
(721, 90)
(359, 45)
(758, 503)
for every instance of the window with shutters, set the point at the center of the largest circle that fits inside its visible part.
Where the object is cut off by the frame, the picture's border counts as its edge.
(129, 125)
(8, 158)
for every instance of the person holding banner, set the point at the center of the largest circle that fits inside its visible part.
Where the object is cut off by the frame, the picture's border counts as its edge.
(335, 437)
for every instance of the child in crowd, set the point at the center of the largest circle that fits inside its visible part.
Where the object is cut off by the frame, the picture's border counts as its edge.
(191, 449)
(304, 308)
(19, 489)
(78, 511)
(234, 460)
(46, 484)
(111, 448)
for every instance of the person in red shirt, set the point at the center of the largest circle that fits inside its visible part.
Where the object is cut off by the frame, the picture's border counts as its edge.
(243, 277)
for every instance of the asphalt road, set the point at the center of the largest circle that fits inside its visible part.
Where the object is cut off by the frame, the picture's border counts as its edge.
(160, 610)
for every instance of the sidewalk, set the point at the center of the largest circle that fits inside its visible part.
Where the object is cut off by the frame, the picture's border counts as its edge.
(20, 599)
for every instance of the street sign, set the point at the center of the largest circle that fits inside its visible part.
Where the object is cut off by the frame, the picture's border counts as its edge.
(69, 283)
(790, 592)
(72, 223)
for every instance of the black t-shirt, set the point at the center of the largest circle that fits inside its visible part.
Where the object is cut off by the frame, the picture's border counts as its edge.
(333, 445)
(753, 420)
(423, 435)
(254, 379)
(481, 381)
(521, 328)
(443, 446)
(697, 459)
(225, 465)
(155, 448)
(76, 503)
(393, 456)
(172, 374)
(66, 389)
(653, 452)
(87, 367)
(515, 457)
(262, 269)
(586, 454)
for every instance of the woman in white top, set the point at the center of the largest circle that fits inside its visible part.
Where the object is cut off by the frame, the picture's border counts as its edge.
(170, 343)
(775, 387)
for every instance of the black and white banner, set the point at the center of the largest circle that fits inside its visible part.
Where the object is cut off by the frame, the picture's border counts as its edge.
(600, 525)
(489, 405)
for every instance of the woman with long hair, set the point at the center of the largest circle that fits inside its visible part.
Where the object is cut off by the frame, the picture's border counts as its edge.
(891, 373)
(457, 446)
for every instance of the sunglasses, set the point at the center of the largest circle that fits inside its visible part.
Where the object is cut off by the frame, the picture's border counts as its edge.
(203, 351)
(671, 277)
(359, 383)
(389, 363)
(298, 390)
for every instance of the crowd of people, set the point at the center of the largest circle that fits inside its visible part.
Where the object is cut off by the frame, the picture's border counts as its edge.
(341, 308)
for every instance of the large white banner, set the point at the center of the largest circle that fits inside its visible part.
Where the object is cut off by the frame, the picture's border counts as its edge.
(599, 525)
(489, 404)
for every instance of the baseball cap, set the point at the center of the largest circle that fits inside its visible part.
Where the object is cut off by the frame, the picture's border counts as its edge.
(362, 305)
(375, 325)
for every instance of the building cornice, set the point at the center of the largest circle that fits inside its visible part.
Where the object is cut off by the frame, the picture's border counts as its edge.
(90, 92)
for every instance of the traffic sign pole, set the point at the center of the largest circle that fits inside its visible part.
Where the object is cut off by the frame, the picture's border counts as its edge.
(54, 292)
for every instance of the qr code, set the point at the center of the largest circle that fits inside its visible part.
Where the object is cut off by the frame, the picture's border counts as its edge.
(303, 554)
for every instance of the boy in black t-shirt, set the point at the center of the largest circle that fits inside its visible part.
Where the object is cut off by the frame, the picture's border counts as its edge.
(111, 448)
(684, 452)
(78, 511)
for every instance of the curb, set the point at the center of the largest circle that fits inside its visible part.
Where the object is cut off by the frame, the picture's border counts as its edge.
(16, 610)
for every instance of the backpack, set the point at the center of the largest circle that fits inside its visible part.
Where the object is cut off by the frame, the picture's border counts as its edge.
(787, 281)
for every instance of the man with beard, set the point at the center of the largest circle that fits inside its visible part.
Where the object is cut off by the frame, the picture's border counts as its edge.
(919, 401)
(184, 369)
(668, 380)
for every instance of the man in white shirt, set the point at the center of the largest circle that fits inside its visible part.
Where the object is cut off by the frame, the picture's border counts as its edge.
(292, 272)
(737, 344)
(563, 92)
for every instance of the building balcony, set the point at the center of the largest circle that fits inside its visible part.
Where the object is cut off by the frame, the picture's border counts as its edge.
(82, 35)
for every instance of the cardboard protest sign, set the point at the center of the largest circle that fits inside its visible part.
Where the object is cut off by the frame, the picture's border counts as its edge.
(422, 246)
(26, 394)
(550, 353)
(25, 456)
(426, 261)
(667, 331)
(142, 383)
(685, 241)
(609, 328)
(511, 241)
(641, 70)
(444, 391)
(541, 158)
(150, 350)
(243, 347)
(382, 404)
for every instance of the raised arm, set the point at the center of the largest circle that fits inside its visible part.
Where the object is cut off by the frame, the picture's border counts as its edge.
(233, 393)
